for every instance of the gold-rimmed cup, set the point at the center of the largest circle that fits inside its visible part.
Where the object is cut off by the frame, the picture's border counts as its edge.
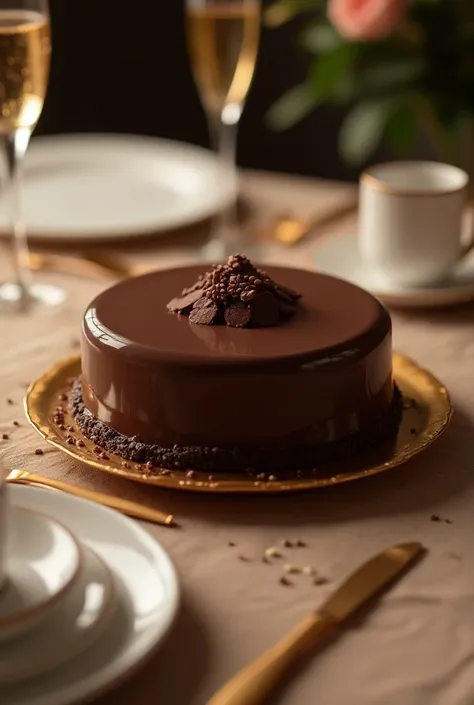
(411, 221)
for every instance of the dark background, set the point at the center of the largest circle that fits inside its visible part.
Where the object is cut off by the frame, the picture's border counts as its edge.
(122, 66)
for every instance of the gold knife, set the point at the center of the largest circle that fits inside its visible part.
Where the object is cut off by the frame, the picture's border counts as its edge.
(253, 684)
(131, 509)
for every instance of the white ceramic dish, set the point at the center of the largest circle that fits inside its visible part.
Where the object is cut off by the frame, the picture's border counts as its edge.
(43, 561)
(339, 256)
(148, 596)
(70, 628)
(91, 187)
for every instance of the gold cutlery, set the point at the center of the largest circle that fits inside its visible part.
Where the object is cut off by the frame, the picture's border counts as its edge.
(90, 264)
(256, 682)
(291, 231)
(132, 509)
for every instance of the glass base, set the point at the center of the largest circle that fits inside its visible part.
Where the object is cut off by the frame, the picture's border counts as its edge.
(14, 297)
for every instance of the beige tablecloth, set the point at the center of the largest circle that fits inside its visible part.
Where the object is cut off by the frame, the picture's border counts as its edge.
(417, 648)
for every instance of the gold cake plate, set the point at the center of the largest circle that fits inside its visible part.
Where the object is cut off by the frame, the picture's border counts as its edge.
(426, 414)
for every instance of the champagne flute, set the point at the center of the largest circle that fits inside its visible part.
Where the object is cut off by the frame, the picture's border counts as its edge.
(223, 38)
(25, 49)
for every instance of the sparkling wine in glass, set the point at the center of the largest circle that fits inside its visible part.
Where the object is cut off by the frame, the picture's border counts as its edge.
(25, 49)
(223, 38)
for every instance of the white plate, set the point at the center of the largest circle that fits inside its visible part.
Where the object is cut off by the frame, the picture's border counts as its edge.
(91, 187)
(148, 600)
(339, 256)
(42, 563)
(71, 628)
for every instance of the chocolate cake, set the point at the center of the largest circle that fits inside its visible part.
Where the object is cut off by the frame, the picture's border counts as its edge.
(236, 369)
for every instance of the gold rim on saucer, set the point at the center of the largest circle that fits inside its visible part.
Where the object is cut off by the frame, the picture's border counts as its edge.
(426, 414)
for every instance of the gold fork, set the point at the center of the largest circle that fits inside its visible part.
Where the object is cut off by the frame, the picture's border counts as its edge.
(132, 509)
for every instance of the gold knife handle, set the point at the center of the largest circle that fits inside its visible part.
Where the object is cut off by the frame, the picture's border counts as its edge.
(256, 682)
(132, 509)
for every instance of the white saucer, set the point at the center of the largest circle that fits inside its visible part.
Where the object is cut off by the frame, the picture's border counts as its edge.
(90, 187)
(339, 256)
(43, 564)
(70, 628)
(148, 596)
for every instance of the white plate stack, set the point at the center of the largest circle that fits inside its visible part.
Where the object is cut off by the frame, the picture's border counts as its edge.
(88, 594)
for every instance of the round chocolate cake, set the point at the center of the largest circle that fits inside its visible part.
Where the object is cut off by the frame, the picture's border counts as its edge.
(236, 369)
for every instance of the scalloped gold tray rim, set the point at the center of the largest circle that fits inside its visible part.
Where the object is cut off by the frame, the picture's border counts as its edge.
(422, 424)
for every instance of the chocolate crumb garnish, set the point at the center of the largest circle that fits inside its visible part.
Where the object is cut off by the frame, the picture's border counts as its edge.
(284, 581)
(238, 295)
(39, 451)
(5, 436)
(290, 568)
(191, 474)
(149, 466)
(80, 444)
(321, 580)
(16, 423)
(10, 401)
(301, 544)
(104, 456)
(272, 552)
(231, 543)
(287, 544)
(125, 464)
(435, 517)
(448, 521)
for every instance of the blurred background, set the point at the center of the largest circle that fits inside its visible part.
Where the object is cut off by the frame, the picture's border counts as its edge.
(123, 67)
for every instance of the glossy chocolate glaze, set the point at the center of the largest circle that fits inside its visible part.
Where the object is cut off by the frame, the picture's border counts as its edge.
(324, 373)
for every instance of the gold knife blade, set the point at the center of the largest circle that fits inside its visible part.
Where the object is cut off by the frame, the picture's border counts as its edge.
(132, 509)
(253, 684)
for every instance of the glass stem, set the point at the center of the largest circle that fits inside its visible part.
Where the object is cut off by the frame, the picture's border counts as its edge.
(224, 142)
(16, 145)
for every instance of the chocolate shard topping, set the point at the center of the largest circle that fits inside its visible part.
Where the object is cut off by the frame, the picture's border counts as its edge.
(184, 304)
(237, 294)
(237, 315)
(205, 315)
(265, 310)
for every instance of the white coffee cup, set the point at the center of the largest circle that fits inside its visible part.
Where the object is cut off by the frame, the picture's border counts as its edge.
(411, 221)
(3, 523)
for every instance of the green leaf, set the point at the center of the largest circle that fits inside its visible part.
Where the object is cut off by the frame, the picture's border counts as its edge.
(363, 129)
(331, 74)
(292, 107)
(320, 38)
(387, 77)
(400, 128)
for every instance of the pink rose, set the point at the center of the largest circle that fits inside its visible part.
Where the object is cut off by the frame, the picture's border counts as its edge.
(366, 19)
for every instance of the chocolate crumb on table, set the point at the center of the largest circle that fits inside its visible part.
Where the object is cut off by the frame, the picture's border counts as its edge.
(435, 517)
(284, 581)
(16, 423)
(5, 436)
(39, 451)
(10, 401)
